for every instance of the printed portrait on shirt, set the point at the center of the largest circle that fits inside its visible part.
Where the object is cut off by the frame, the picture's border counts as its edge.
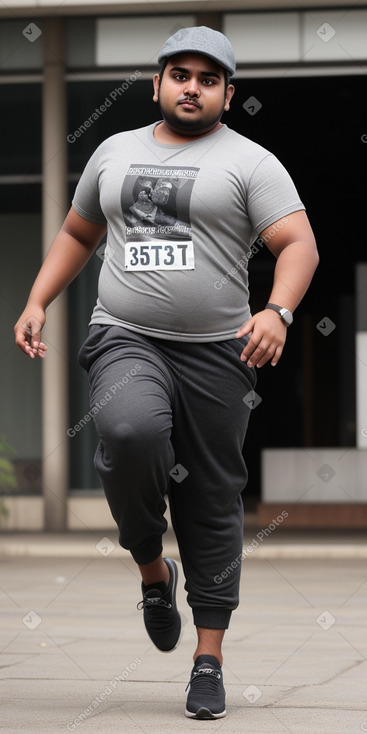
(155, 201)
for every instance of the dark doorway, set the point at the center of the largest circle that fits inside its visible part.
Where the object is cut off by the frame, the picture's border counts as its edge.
(315, 126)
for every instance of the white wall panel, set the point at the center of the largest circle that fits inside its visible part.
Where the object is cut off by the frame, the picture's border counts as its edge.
(361, 389)
(338, 35)
(135, 41)
(134, 6)
(313, 475)
(264, 37)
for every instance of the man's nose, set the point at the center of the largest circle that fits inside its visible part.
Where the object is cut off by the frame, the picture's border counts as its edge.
(192, 88)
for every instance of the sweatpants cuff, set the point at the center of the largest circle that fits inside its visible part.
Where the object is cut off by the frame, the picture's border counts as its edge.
(215, 618)
(147, 552)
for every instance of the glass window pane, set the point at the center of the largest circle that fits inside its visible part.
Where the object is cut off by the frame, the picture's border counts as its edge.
(21, 128)
(20, 45)
(80, 42)
(129, 109)
(20, 385)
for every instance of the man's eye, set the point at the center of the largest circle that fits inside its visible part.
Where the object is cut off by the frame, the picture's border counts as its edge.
(208, 82)
(180, 77)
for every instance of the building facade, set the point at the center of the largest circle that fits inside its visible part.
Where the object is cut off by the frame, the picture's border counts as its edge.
(73, 73)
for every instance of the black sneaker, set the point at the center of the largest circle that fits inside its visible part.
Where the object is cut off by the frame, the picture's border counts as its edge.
(161, 617)
(206, 698)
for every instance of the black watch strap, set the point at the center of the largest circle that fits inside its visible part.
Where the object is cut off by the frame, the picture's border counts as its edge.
(284, 314)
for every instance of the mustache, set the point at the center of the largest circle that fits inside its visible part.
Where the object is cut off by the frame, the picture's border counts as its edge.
(187, 98)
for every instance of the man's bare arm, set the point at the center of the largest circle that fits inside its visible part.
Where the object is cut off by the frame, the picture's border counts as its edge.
(293, 244)
(70, 251)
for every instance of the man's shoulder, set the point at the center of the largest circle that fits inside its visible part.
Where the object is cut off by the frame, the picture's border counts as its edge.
(245, 144)
(123, 137)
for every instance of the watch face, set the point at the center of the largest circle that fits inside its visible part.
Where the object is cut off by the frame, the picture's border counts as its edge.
(286, 316)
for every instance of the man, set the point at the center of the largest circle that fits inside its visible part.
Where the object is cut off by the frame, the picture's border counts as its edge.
(172, 316)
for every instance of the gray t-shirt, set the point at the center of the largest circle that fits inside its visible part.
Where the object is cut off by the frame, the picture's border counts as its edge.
(182, 223)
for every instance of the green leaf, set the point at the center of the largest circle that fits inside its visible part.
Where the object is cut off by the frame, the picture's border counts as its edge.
(5, 447)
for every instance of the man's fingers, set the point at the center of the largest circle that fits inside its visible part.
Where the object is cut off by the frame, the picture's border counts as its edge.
(266, 341)
(259, 353)
(28, 337)
(262, 355)
(42, 349)
(262, 351)
(252, 345)
(277, 356)
(245, 329)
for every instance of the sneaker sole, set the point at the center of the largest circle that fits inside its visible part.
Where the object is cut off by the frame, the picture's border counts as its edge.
(204, 713)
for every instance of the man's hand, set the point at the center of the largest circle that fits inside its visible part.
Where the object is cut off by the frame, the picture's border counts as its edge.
(292, 243)
(28, 333)
(71, 249)
(267, 338)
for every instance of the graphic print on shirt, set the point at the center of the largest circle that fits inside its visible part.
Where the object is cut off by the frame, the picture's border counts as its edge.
(155, 202)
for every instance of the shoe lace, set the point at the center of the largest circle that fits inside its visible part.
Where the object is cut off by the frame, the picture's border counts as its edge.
(153, 601)
(200, 678)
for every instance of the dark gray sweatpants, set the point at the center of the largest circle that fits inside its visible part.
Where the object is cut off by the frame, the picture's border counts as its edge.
(171, 420)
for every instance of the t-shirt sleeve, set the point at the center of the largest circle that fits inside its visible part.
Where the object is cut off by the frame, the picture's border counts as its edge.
(271, 194)
(86, 198)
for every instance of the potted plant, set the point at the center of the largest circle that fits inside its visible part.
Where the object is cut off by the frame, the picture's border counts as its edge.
(8, 480)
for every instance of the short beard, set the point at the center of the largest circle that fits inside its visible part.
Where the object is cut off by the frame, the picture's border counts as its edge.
(188, 126)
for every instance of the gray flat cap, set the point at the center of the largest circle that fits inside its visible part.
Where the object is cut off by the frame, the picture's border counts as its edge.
(200, 40)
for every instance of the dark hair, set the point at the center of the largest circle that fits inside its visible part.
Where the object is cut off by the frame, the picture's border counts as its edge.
(227, 75)
(227, 78)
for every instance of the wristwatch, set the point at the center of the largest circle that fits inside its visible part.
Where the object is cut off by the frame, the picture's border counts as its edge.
(284, 314)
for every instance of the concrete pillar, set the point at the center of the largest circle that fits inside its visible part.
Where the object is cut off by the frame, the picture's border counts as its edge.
(54, 209)
(361, 356)
(211, 19)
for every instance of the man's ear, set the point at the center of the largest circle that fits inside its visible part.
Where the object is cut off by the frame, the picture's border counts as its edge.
(228, 96)
(156, 82)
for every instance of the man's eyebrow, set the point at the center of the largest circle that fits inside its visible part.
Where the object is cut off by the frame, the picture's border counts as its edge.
(187, 71)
